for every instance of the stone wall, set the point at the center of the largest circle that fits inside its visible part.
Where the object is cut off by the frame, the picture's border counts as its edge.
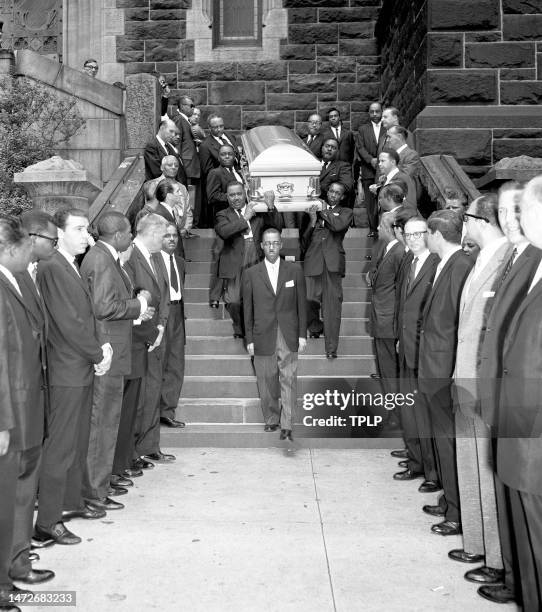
(328, 58)
(466, 75)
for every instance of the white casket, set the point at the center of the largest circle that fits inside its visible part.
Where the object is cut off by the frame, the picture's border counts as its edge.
(279, 161)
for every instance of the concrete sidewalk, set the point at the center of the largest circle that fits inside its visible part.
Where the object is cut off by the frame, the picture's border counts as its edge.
(266, 530)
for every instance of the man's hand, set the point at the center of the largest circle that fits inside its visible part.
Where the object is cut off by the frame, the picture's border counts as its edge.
(250, 348)
(269, 199)
(373, 188)
(312, 212)
(249, 211)
(4, 442)
(302, 345)
(368, 279)
(148, 314)
(103, 367)
(158, 340)
(397, 347)
(145, 294)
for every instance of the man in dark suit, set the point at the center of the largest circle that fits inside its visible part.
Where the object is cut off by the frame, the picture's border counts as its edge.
(158, 148)
(173, 269)
(335, 171)
(519, 430)
(115, 310)
(388, 166)
(173, 205)
(409, 160)
(274, 305)
(209, 148)
(324, 267)
(21, 410)
(314, 139)
(438, 345)
(241, 228)
(369, 142)
(74, 356)
(413, 290)
(342, 135)
(390, 117)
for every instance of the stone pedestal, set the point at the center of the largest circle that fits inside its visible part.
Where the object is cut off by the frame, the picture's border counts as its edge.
(142, 110)
(57, 183)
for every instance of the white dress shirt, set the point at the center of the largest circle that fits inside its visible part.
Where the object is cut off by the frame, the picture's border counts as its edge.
(174, 295)
(273, 272)
(422, 257)
(69, 258)
(390, 246)
(391, 175)
(444, 261)
(145, 252)
(162, 143)
(376, 129)
(249, 233)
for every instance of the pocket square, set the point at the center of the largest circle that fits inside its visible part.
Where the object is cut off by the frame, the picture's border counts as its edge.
(488, 294)
(289, 283)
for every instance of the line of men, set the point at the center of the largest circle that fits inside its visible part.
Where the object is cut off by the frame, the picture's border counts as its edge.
(91, 354)
(463, 333)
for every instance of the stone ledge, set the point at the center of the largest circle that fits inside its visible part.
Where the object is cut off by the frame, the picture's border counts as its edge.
(433, 117)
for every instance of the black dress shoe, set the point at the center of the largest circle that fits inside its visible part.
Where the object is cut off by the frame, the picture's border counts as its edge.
(429, 486)
(407, 475)
(132, 473)
(447, 528)
(59, 534)
(160, 457)
(238, 336)
(119, 481)
(272, 427)
(35, 576)
(400, 454)
(498, 593)
(142, 464)
(376, 377)
(87, 512)
(106, 504)
(403, 463)
(458, 554)
(116, 491)
(314, 335)
(286, 434)
(487, 575)
(33, 557)
(169, 422)
(214, 304)
(42, 543)
(433, 510)
(331, 355)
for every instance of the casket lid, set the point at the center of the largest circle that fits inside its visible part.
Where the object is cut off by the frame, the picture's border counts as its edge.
(270, 149)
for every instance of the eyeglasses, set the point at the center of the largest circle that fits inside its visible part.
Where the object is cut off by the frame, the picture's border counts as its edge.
(91, 67)
(467, 215)
(414, 235)
(53, 240)
(276, 243)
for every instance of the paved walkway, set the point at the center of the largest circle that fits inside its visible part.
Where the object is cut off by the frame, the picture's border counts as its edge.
(266, 530)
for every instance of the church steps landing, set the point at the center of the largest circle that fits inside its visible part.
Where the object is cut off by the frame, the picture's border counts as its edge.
(202, 310)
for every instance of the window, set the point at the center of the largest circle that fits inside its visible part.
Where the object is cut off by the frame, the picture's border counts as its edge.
(237, 23)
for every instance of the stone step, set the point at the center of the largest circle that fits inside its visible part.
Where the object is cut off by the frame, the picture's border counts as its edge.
(201, 310)
(204, 254)
(226, 345)
(201, 281)
(204, 267)
(223, 327)
(308, 365)
(350, 294)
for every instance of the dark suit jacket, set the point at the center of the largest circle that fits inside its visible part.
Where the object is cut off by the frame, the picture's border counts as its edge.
(21, 408)
(73, 346)
(346, 144)
(114, 307)
(519, 447)
(409, 162)
(336, 172)
(323, 244)
(508, 297)
(410, 307)
(164, 212)
(153, 155)
(383, 284)
(230, 227)
(411, 198)
(367, 148)
(265, 311)
(208, 152)
(315, 147)
(188, 150)
(217, 182)
(438, 334)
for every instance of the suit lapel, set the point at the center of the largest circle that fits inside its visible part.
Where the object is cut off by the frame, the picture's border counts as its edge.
(14, 292)
(534, 294)
(422, 273)
(282, 277)
(62, 261)
(34, 303)
(124, 277)
(146, 266)
(164, 212)
(440, 278)
(265, 276)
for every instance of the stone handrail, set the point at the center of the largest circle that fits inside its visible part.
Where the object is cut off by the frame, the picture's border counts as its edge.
(440, 172)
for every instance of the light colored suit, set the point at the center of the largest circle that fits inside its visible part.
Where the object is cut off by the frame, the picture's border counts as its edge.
(475, 469)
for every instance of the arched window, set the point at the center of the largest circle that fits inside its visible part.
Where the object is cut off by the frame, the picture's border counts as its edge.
(237, 23)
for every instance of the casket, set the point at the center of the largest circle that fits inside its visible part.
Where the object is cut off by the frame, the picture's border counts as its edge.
(279, 161)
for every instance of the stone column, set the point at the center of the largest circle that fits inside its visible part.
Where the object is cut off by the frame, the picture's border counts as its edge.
(142, 110)
(57, 183)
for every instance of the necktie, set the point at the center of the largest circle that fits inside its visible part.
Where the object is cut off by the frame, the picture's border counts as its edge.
(123, 275)
(507, 267)
(412, 273)
(309, 139)
(337, 133)
(174, 279)
(219, 138)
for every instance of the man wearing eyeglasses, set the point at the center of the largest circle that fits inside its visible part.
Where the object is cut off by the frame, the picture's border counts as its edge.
(274, 304)
(314, 139)
(91, 67)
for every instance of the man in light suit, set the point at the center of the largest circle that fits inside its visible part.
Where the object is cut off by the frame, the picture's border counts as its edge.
(409, 160)
(274, 305)
(369, 143)
(438, 345)
(325, 265)
(115, 310)
(519, 430)
(158, 148)
(335, 171)
(74, 356)
(21, 413)
(473, 437)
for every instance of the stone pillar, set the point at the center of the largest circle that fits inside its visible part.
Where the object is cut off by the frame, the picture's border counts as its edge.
(7, 62)
(57, 183)
(142, 110)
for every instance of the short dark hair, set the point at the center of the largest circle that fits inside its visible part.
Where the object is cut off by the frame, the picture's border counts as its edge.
(393, 192)
(375, 102)
(90, 61)
(269, 229)
(331, 138)
(400, 130)
(35, 220)
(180, 100)
(60, 218)
(392, 153)
(448, 223)
(487, 206)
(233, 183)
(163, 188)
(405, 214)
(111, 222)
(225, 146)
(452, 194)
(331, 110)
(12, 232)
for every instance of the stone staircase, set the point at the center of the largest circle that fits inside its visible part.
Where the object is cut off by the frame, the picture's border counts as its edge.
(219, 400)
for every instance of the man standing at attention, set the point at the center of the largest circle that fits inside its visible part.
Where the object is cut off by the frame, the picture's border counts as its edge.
(274, 304)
